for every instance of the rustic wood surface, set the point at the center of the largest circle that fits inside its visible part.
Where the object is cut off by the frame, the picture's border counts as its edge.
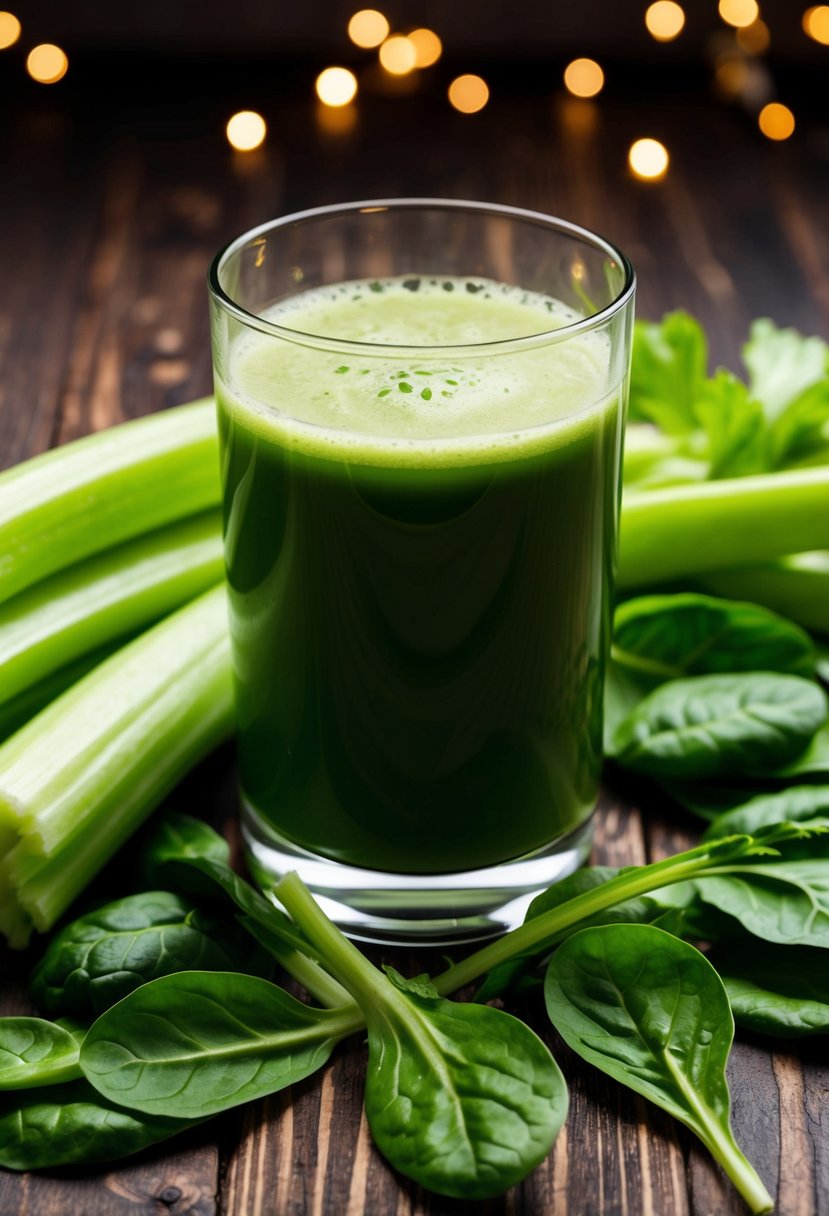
(109, 218)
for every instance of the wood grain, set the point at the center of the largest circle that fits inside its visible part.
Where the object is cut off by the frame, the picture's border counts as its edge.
(108, 225)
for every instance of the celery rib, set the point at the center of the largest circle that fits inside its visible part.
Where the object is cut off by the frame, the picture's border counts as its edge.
(108, 596)
(83, 774)
(717, 525)
(71, 502)
(797, 587)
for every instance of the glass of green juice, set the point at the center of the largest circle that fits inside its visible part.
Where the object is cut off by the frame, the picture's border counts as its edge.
(421, 410)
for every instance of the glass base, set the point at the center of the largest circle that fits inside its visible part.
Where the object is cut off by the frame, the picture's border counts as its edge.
(416, 909)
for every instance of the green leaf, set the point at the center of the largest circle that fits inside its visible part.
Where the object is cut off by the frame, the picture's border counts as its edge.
(735, 427)
(465, 1099)
(73, 1125)
(777, 990)
(666, 637)
(782, 364)
(789, 374)
(200, 1042)
(798, 803)
(99, 958)
(176, 836)
(206, 878)
(784, 901)
(651, 1012)
(34, 1052)
(623, 690)
(720, 725)
(668, 371)
(813, 762)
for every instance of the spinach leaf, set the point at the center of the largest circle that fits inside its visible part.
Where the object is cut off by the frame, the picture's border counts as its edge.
(465, 1099)
(720, 725)
(813, 762)
(200, 1042)
(623, 690)
(73, 1125)
(777, 990)
(208, 879)
(667, 637)
(97, 959)
(34, 1052)
(668, 370)
(796, 804)
(786, 901)
(711, 799)
(651, 1012)
(176, 836)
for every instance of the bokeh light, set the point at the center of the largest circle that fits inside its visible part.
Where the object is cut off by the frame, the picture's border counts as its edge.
(776, 121)
(754, 39)
(739, 13)
(9, 30)
(583, 78)
(336, 86)
(816, 23)
(428, 47)
(664, 20)
(47, 63)
(246, 130)
(468, 93)
(648, 159)
(731, 75)
(368, 28)
(398, 55)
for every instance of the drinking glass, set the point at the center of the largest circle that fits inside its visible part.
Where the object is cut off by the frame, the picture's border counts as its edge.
(421, 408)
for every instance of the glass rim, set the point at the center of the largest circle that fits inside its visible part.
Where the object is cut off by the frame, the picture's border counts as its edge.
(370, 206)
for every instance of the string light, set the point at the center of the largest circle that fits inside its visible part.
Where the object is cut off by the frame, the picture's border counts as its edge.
(583, 78)
(648, 159)
(47, 63)
(665, 20)
(246, 130)
(776, 121)
(9, 30)
(816, 23)
(398, 55)
(336, 86)
(468, 93)
(739, 13)
(754, 39)
(428, 47)
(368, 28)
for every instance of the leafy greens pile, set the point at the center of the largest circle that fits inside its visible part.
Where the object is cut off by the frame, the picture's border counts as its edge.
(115, 679)
(463, 1098)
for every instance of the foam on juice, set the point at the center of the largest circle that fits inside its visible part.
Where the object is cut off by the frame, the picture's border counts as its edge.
(421, 405)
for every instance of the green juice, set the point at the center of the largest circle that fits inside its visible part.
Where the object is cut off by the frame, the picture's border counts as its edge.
(419, 559)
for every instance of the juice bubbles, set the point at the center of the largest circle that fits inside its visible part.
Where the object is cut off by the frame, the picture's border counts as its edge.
(419, 557)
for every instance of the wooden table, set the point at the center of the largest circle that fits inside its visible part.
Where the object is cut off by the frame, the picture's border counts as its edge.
(111, 211)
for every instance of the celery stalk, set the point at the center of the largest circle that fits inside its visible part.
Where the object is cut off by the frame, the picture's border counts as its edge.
(82, 775)
(110, 595)
(77, 500)
(717, 525)
(797, 587)
(30, 701)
